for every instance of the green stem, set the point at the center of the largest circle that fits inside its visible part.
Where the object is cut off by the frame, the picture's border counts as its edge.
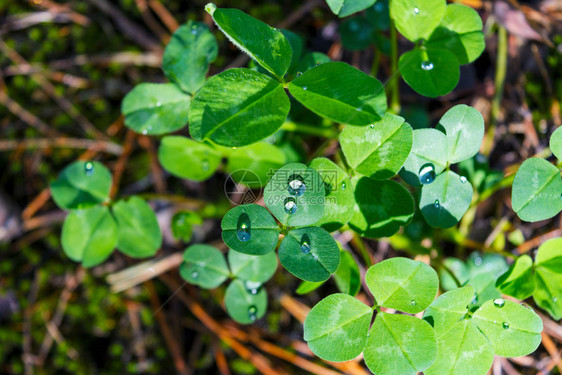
(363, 249)
(309, 129)
(394, 81)
(376, 62)
(501, 69)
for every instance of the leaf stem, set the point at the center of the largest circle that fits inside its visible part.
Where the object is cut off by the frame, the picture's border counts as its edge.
(358, 241)
(394, 81)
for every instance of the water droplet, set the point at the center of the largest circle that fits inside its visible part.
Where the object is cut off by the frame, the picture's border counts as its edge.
(475, 299)
(89, 168)
(436, 203)
(343, 185)
(426, 174)
(243, 227)
(427, 65)
(205, 165)
(304, 87)
(495, 321)
(290, 205)
(358, 109)
(296, 186)
(195, 274)
(305, 244)
(499, 302)
(252, 313)
(416, 10)
(298, 74)
(144, 132)
(478, 261)
(505, 325)
(413, 303)
(555, 299)
(372, 126)
(463, 179)
(252, 287)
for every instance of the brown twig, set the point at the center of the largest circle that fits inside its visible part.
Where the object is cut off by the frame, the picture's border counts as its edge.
(165, 16)
(26, 116)
(61, 142)
(121, 163)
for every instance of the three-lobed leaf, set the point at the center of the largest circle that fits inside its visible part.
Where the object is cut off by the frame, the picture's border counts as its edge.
(138, 232)
(341, 93)
(156, 108)
(238, 107)
(336, 328)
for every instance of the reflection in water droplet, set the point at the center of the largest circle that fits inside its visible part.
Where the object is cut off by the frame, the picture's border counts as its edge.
(304, 88)
(305, 244)
(436, 203)
(499, 302)
(299, 74)
(463, 179)
(372, 126)
(505, 325)
(252, 287)
(343, 185)
(426, 174)
(413, 303)
(252, 313)
(243, 227)
(296, 186)
(478, 261)
(195, 274)
(427, 65)
(416, 11)
(89, 168)
(205, 165)
(290, 205)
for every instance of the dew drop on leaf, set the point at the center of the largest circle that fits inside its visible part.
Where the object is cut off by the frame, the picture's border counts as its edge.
(243, 227)
(252, 312)
(205, 165)
(372, 126)
(299, 74)
(413, 303)
(477, 261)
(305, 244)
(436, 204)
(304, 88)
(475, 299)
(144, 132)
(426, 174)
(463, 179)
(195, 274)
(499, 302)
(343, 185)
(416, 10)
(290, 205)
(427, 65)
(505, 325)
(296, 186)
(89, 168)
(555, 299)
(253, 287)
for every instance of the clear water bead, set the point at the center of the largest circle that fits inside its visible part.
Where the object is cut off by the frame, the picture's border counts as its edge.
(243, 228)
(463, 179)
(426, 174)
(413, 303)
(499, 302)
(296, 186)
(89, 168)
(252, 313)
(343, 185)
(505, 325)
(436, 204)
(290, 205)
(195, 274)
(427, 65)
(416, 10)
